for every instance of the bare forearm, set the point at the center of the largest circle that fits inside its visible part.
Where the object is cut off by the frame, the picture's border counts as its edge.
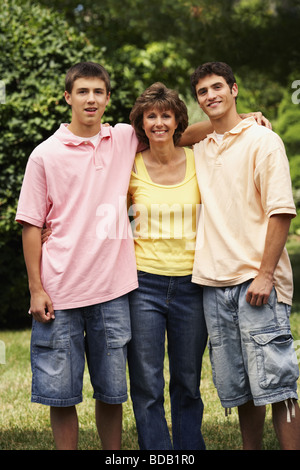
(32, 248)
(199, 131)
(194, 133)
(277, 233)
(40, 303)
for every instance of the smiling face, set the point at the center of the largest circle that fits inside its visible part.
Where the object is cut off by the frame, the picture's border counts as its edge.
(215, 97)
(159, 125)
(88, 100)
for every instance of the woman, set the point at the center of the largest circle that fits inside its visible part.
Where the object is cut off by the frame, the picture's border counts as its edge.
(165, 201)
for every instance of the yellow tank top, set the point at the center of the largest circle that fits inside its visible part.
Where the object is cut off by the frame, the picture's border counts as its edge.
(164, 220)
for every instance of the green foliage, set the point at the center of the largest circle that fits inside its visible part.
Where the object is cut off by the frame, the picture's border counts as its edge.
(138, 42)
(259, 93)
(288, 127)
(135, 69)
(37, 47)
(288, 124)
(254, 34)
(295, 175)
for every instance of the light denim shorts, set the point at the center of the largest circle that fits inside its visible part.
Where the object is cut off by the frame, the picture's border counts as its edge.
(251, 348)
(58, 349)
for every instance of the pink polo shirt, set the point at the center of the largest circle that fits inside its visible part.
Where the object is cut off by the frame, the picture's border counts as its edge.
(80, 191)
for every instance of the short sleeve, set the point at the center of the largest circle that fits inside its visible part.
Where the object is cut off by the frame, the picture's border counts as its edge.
(272, 178)
(127, 132)
(32, 206)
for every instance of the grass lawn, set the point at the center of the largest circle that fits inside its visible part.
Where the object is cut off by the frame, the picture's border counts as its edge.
(26, 426)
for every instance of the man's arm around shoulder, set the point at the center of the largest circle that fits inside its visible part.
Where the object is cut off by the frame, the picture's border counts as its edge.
(40, 303)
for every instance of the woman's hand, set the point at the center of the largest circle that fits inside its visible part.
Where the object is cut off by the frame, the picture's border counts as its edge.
(46, 232)
(259, 118)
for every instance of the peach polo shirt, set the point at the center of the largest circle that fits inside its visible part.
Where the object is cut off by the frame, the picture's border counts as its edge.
(243, 181)
(80, 190)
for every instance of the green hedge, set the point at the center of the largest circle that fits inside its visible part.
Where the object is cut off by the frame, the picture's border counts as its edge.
(37, 48)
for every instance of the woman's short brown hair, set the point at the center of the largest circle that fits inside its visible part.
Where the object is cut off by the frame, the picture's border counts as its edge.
(160, 97)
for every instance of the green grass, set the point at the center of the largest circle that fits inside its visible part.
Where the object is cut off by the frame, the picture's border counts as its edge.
(293, 247)
(26, 426)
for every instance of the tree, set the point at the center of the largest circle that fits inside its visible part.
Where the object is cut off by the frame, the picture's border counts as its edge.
(251, 35)
(37, 47)
(138, 42)
(288, 127)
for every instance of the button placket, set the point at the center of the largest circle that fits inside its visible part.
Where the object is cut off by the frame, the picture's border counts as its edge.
(98, 166)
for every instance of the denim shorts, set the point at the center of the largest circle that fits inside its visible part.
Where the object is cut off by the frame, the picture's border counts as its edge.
(58, 350)
(251, 348)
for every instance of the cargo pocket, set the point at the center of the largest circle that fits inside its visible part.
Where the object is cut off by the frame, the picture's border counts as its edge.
(47, 336)
(116, 321)
(276, 358)
(211, 357)
(50, 358)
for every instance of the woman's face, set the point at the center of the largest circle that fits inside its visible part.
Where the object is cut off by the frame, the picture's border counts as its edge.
(159, 125)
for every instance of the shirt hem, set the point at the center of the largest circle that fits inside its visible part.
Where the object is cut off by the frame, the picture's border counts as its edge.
(165, 272)
(283, 211)
(236, 282)
(21, 219)
(225, 283)
(98, 300)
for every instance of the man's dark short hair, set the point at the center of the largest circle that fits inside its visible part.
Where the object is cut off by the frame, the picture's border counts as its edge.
(212, 68)
(86, 70)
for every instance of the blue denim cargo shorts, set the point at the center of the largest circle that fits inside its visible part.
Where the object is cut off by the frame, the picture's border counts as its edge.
(251, 348)
(99, 333)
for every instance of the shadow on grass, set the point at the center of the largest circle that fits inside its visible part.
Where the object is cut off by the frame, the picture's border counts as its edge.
(222, 435)
(30, 439)
(26, 439)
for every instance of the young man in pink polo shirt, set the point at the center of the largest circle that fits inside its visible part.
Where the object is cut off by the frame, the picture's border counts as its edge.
(241, 261)
(76, 183)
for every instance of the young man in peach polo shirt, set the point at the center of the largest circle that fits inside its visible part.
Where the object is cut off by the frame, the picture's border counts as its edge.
(242, 262)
